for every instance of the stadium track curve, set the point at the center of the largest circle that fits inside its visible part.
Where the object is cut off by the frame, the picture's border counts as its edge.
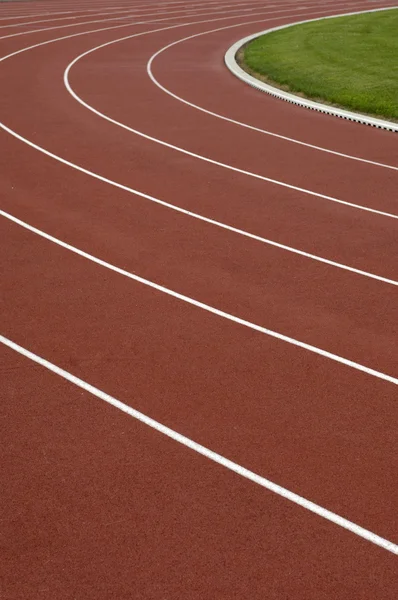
(98, 504)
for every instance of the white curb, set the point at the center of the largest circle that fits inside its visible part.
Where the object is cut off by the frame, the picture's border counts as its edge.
(233, 66)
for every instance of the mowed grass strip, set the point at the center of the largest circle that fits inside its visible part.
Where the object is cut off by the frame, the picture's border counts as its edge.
(351, 62)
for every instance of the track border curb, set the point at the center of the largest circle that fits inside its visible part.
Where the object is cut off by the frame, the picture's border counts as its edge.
(233, 66)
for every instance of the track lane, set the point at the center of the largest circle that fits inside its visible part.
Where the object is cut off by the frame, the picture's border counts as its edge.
(305, 305)
(218, 352)
(82, 538)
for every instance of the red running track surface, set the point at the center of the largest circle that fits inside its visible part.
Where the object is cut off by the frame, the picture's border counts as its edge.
(155, 172)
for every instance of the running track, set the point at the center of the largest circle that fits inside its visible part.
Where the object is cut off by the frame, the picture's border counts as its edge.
(218, 260)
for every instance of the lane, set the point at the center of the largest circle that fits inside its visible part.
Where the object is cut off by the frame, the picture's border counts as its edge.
(308, 415)
(206, 452)
(100, 482)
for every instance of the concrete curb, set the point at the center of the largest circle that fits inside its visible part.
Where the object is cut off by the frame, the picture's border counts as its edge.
(233, 66)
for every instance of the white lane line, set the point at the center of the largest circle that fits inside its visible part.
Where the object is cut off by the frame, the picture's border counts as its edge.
(199, 156)
(240, 123)
(206, 452)
(215, 311)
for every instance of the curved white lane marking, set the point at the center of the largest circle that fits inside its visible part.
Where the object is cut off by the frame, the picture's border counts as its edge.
(211, 309)
(206, 452)
(184, 211)
(240, 123)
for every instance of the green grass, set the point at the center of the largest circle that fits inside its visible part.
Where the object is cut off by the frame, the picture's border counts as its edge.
(350, 62)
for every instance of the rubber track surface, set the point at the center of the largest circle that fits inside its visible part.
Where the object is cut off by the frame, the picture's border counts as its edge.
(95, 504)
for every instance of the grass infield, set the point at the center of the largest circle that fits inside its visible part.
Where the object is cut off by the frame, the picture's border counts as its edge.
(350, 62)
